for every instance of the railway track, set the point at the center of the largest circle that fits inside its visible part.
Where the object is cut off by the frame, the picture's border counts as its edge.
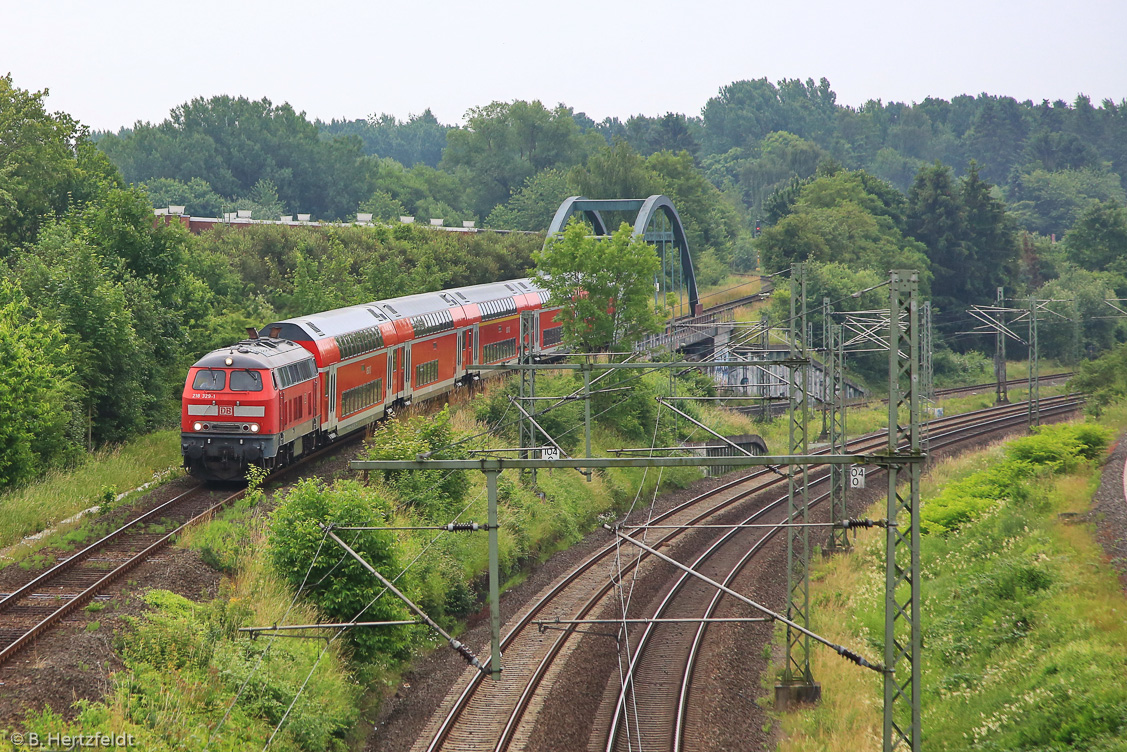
(35, 607)
(32, 609)
(1010, 384)
(778, 408)
(666, 715)
(765, 292)
(481, 714)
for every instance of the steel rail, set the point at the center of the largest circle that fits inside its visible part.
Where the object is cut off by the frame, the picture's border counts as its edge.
(939, 441)
(69, 562)
(721, 542)
(89, 592)
(458, 707)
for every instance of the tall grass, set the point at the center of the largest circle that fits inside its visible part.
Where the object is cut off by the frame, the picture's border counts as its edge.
(1025, 644)
(185, 663)
(62, 493)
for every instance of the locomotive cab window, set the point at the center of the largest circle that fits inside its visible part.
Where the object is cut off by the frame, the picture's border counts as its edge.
(246, 381)
(210, 380)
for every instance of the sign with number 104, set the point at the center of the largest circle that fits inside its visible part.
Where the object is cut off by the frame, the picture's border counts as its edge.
(856, 476)
(550, 453)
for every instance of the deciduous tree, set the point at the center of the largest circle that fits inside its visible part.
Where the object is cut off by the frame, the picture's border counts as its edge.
(605, 286)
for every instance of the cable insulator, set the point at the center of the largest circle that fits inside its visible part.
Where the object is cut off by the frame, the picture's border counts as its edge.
(849, 655)
(468, 654)
(465, 527)
(847, 524)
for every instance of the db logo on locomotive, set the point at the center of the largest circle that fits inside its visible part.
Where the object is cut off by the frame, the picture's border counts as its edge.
(226, 410)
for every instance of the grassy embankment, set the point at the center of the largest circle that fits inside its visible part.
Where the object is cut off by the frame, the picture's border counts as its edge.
(1024, 636)
(63, 493)
(732, 287)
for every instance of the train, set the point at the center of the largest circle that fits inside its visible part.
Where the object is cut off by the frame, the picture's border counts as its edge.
(296, 385)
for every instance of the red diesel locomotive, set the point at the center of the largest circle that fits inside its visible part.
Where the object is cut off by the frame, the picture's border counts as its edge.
(306, 381)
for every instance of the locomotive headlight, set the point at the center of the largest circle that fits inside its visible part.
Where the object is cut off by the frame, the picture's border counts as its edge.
(197, 426)
(229, 361)
(254, 428)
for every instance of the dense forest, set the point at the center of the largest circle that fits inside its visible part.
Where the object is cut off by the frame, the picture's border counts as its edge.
(101, 309)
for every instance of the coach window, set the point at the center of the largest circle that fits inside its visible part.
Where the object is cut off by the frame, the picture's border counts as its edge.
(209, 380)
(246, 381)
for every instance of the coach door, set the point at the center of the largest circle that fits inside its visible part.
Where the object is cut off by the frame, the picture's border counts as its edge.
(394, 373)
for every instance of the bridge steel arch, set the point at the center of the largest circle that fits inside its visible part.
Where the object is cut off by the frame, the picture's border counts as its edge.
(648, 209)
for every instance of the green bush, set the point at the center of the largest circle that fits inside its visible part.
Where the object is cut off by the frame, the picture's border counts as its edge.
(325, 574)
(1061, 446)
(1052, 449)
(437, 495)
(956, 369)
(171, 637)
(560, 422)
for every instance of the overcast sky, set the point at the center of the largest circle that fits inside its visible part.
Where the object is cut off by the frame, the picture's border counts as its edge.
(113, 62)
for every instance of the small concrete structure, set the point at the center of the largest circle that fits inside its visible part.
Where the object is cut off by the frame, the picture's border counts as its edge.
(750, 442)
(792, 694)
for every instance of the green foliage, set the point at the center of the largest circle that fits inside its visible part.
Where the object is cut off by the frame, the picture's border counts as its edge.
(757, 173)
(1104, 380)
(195, 195)
(1060, 446)
(842, 218)
(39, 421)
(1009, 664)
(533, 205)
(123, 341)
(959, 369)
(711, 222)
(1051, 202)
(422, 191)
(837, 282)
(615, 171)
(503, 144)
(1081, 326)
(436, 495)
(329, 578)
(384, 207)
(184, 664)
(288, 272)
(604, 286)
(419, 139)
(711, 219)
(672, 132)
(1052, 449)
(1098, 240)
(746, 111)
(261, 201)
(46, 163)
(495, 410)
(233, 143)
(969, 238)
(222, 544)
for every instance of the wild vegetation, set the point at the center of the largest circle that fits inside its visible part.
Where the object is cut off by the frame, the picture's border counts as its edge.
(101, 308)
(1021, 618)
(189, 676)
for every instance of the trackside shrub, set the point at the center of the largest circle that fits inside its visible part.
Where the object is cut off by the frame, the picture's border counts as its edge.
(436, 495)
(324, 574)
(184, 666)
(1052, 449)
